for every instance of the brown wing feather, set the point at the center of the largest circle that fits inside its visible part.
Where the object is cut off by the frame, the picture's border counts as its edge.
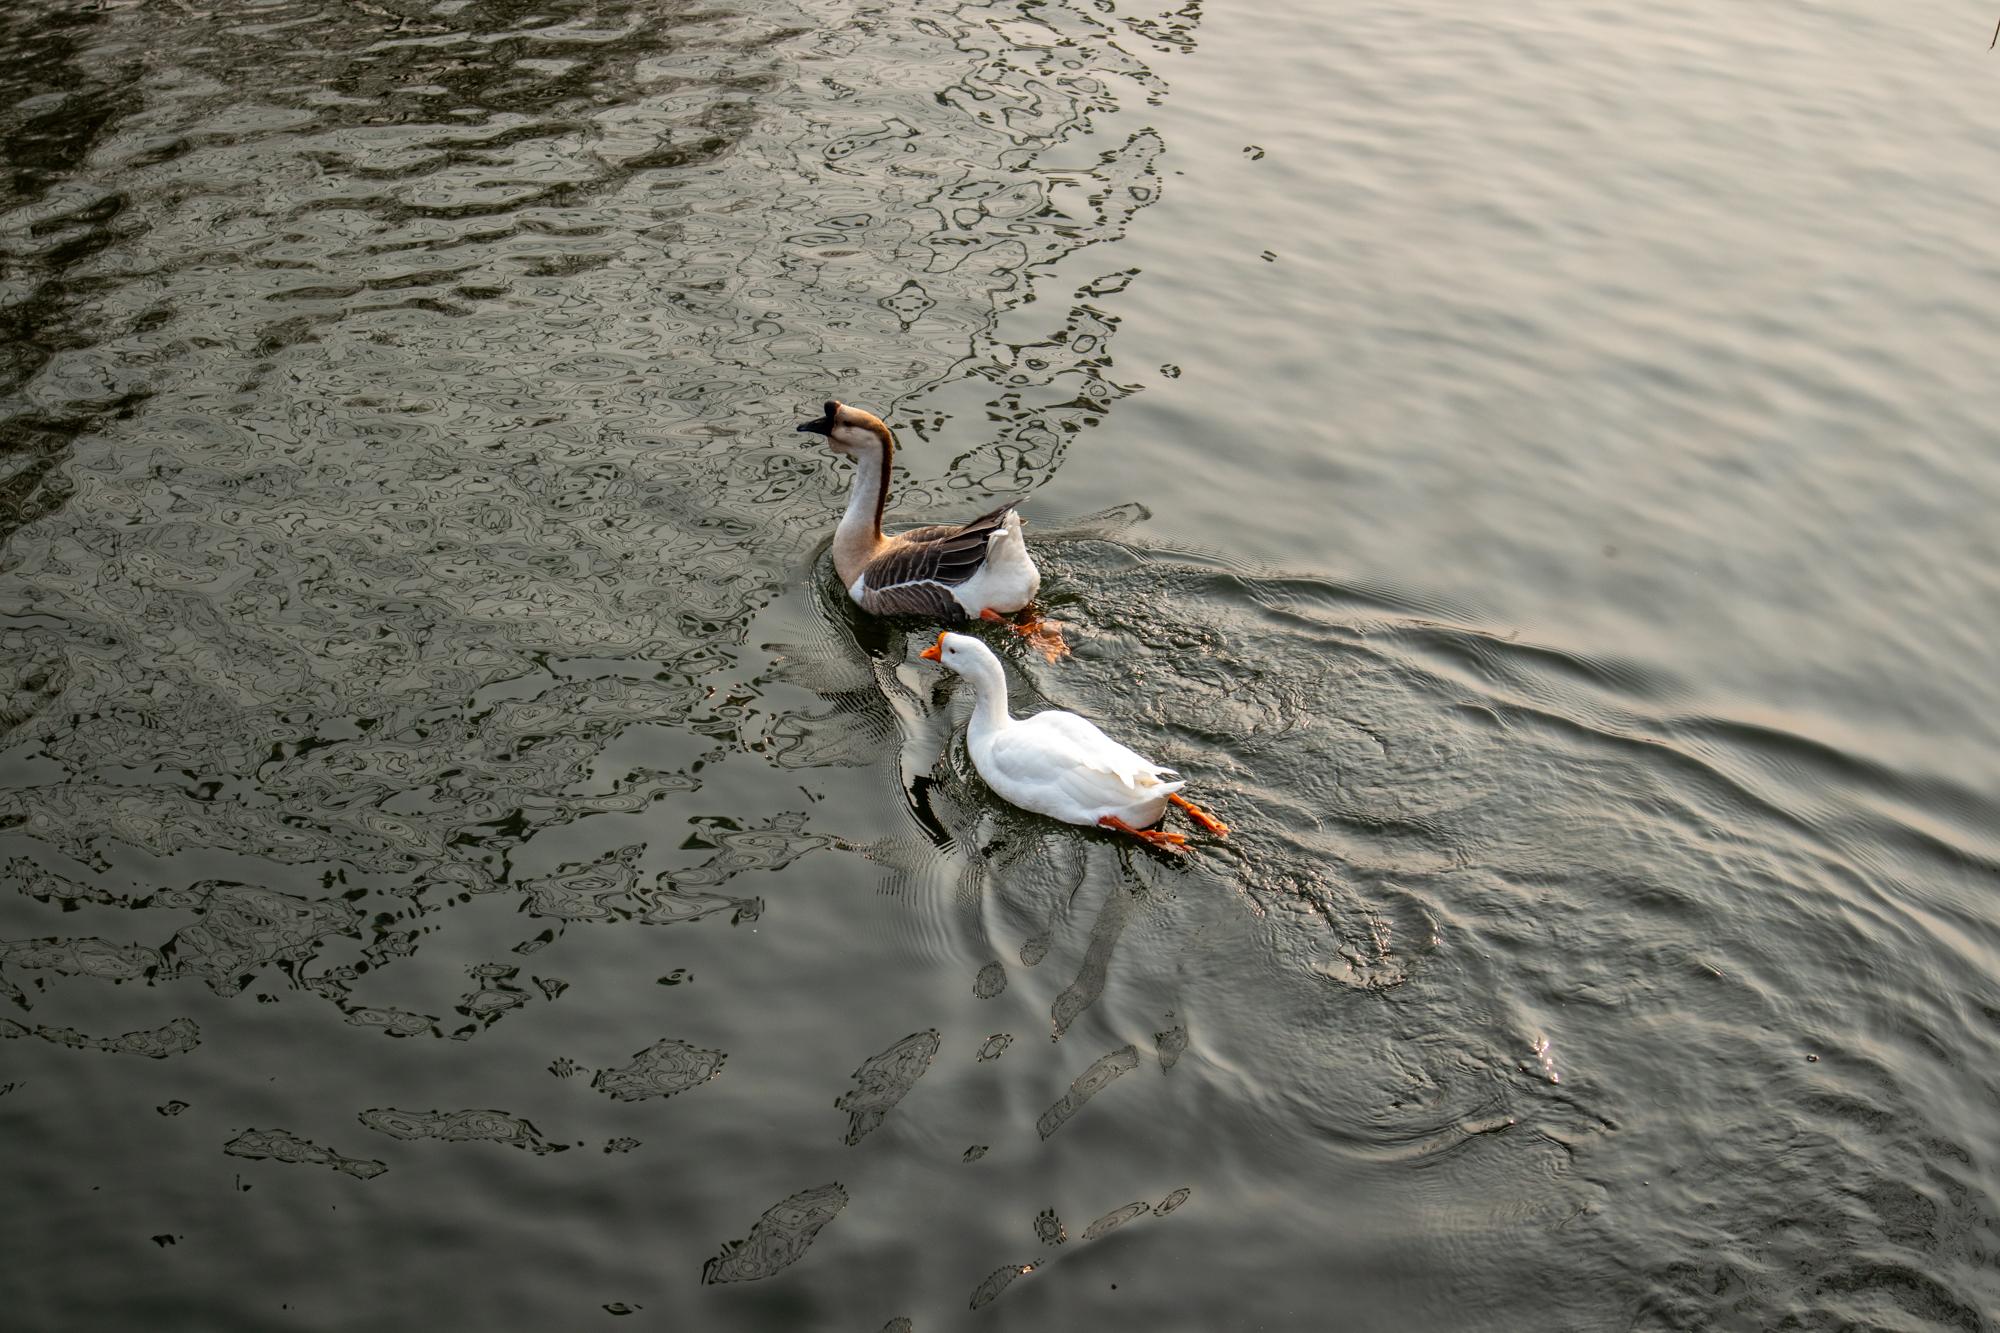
(984, 526)
(915, 576)
(929, 600)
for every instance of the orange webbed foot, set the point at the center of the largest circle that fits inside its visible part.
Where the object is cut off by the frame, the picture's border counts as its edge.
(1047, 638)
(1201, 816)
(1160, 838)
(1045, 635)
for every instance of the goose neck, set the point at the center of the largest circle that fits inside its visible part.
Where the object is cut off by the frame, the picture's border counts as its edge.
(989, 685)
(859, 535)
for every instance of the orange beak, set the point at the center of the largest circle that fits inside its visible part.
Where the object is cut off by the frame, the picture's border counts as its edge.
(934, 653)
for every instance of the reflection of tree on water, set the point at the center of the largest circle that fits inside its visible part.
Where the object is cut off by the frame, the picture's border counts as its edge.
(317, 575)
(56, 104)
(461, 344)
(285, 1147)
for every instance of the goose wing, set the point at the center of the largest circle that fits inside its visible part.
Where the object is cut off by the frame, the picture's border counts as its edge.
(916, 574)
(982, 527)
(1061, 752)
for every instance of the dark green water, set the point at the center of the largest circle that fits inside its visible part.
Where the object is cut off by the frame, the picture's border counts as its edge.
(1532, 467)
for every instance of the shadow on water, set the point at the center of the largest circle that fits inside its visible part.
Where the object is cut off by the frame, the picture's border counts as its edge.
(58, 104)
(413, 589)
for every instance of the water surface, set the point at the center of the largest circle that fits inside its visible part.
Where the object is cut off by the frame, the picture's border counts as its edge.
(465, 865)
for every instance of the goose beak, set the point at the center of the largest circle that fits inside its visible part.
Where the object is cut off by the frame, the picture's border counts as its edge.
(823, 426)
(934, 653)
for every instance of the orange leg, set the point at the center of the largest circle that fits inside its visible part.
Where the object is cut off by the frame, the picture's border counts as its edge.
(1165, 841)
(1201, 816)
(1045, 635)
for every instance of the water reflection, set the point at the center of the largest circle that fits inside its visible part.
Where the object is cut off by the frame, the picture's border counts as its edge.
(461, 1127)
(779, 1238)
(57, 101)
(411, 589)
(277, 1145)
(885, 1079)
(394, 488)
(175, 1038)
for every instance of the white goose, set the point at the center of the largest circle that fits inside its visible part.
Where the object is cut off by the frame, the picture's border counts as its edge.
(949, 572)
(1058, 764)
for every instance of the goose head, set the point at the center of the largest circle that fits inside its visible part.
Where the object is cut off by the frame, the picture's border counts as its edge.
(975, 662)
(962, 653)
(851, 430)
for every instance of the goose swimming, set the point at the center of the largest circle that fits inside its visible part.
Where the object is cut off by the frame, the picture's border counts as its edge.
(1060, 765)
(950, 572)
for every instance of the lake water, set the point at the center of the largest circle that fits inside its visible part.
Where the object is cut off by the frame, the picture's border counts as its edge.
(1532, 467)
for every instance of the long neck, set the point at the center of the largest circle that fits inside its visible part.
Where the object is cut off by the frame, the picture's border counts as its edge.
(860, 530)
(990, 713)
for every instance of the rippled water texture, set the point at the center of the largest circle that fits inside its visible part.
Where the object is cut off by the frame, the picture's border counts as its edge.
(465, 865)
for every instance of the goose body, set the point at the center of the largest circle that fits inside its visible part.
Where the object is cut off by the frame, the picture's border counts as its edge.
(1058, 764)
(947, 572)
(950, 571)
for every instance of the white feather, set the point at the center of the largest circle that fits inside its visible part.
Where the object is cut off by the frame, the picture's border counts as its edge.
(1056, 764)
(1008, 580)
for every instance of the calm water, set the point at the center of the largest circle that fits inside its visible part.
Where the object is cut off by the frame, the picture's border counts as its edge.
(1534, 467)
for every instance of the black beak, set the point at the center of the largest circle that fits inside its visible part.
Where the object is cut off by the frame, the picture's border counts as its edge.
(824, 426)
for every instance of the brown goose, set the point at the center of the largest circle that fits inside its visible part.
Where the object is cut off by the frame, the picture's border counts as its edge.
(948, 572)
